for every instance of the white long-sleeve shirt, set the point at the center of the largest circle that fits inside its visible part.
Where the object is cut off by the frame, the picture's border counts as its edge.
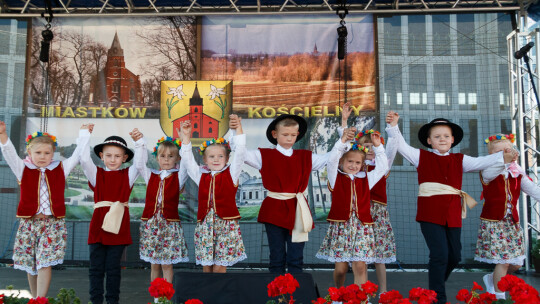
(235, 168)
(373, 176)
(90, 169)
(141, 158)
(527, 186)
(16, 164)
(413, 154)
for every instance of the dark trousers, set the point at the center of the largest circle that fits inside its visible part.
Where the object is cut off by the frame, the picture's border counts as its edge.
(444, 255)
(105, 260)
(283, 250)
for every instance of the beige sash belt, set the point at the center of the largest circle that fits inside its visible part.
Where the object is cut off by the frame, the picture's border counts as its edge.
(113, 219)
(431, 189)
(303, 221)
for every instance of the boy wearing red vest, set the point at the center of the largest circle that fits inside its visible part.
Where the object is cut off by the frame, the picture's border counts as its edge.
(40, 242)
(109, 231)
(285, 174)
(440, 174)
(500, 237)
(218, 239)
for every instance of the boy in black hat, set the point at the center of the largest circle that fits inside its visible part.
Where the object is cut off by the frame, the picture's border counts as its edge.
(440, 208)
(109, 228)
(285, 174)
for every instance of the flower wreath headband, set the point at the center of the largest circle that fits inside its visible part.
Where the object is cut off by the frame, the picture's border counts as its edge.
(213, 141)
(510, 137)
(371, 131)
(356, 147)
(30, 137)
(175, 141)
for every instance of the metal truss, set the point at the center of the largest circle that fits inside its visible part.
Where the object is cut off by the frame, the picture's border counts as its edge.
(65, 8)
(524, 124)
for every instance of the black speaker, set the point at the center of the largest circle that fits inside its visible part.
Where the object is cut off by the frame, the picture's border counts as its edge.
(236, 288)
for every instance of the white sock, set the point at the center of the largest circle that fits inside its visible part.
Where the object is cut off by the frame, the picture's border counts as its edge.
(500, 295)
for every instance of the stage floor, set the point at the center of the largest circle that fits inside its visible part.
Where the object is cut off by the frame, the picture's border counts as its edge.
(135, 282)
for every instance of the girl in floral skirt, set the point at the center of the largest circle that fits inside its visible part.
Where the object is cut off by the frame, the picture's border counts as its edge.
(40, 242)
(350, 236)
(218, 240)
(500, 237)
(385, 244)
(162, 240)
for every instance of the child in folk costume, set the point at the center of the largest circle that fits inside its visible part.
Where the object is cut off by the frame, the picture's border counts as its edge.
(109, 231)
(350, 236)
(218, 239)
(285, 174)
(440, 174)
(162, 240)
(385, 244)
(40, 242)
(500, 237)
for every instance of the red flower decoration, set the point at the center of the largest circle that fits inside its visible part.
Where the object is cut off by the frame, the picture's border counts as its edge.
(39, 300)
(318, 301)
(193, 301)
(423, 296)
(463, 295)
(284, 284)
(1, 298)
(476, 286)
(370, 288)
(160, 288)
(390, 297)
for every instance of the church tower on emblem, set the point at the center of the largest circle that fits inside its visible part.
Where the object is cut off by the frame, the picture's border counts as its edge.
(203, 126)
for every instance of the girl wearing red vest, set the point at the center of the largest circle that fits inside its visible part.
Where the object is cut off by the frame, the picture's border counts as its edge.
(41, 238)
(385, 244)
(162, 242)
(218, 240)
(500, 237)
(109, 232)
(350, 237)
(440, 208)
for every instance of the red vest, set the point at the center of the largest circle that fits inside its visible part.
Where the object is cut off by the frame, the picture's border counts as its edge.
(223, 193)
(110, 186)
(30, 188)
(497, 194)
(170, 197)
(280, 173)
(378, 192)
(448, 170)
(347, 192)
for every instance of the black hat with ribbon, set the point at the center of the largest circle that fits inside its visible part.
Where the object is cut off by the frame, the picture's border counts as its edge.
(114, 141)
(302, 127)
(457, 131)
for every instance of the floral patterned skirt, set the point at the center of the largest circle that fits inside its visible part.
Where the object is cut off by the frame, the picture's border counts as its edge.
(385, 243)
(500, 242)
(218, 241)
(162, 242)
(348, 241)
(39, 243)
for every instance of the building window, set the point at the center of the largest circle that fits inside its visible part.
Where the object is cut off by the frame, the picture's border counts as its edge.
(317, 198)
(5, 34)
(417, 35)
(504, 90)
(469, 144)
(466, 41)
(196, 110)
(392, 95)
(392, 36)
(417, 86)
(506, 126)
(3, 81)
(21, 37)
(324, 197)
(256, 194)
(265, 193)
(209, 130)
(250, 195)
(442, 85)
(467, 96)
(243, 195)
(132, 94)
(195, 125)
(504, 26)
(116, 63)
(441, 35)
(115, 87)
(414, 126)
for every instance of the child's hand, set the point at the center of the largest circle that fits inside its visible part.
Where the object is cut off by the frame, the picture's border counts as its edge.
(392, 118)
(376, 139)
(235, 123)
(348, 134)
(347, 109)
(185, 131)
(2, 127)
(89, 127)
(509, 155)
(136, 134)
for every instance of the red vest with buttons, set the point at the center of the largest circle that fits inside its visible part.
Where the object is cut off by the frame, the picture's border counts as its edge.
(378, 192)
(448, 170)
(170, 197)
(30, 189)
(497, 194)
(110, 186)
(347, 193)
(221, 189)
(281, 173)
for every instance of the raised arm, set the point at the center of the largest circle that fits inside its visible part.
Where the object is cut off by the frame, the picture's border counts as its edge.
(140, 159)
(409, 153)
(345, 113)
(252, 158)
(82, 143)
(88, 166)
(13, 160)
(530, 188)
(336, 154)
(390, 151)
(186, 152)
(381, 167)
(240, 152)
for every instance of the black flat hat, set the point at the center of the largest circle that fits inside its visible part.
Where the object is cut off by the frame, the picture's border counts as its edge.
(114, 141)
(457, 131)
(302, 127)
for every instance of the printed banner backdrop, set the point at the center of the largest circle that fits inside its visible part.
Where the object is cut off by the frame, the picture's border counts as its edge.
(126, 73)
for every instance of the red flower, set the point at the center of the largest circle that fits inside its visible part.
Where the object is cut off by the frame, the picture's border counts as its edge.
(370, 288)
(1, 298)
(284, 284)
(39, 300)
(422, 296)
(488, 297)
(463, 295)
(476, 286)
(193, 301)
(318, 301)
(161, 288)
(390, 297)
